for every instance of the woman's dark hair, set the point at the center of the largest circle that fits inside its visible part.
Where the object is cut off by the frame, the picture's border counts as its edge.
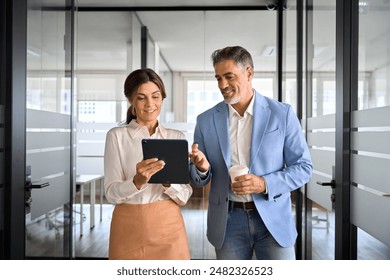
(132, 83)
(238, 54)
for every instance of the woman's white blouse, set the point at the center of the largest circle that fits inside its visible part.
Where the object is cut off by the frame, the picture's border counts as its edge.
(123, 151)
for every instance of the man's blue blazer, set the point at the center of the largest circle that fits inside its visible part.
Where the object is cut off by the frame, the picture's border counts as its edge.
(278, 152)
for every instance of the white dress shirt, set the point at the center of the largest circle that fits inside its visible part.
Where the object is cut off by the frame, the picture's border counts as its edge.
(240, 137)
(123, 151)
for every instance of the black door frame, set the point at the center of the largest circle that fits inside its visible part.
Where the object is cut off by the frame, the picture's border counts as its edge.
(347, 13)
(346, 91)
(14, 47)
(13, 98)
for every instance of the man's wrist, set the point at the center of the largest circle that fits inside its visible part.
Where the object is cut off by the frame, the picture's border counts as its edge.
(265, 192)
(202, 174)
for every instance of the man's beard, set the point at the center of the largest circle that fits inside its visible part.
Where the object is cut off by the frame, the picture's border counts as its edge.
(232, 100)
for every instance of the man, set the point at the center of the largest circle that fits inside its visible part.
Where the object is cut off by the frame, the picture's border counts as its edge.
(249, 214)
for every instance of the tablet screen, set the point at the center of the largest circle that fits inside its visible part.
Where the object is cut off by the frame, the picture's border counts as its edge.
(174, 152)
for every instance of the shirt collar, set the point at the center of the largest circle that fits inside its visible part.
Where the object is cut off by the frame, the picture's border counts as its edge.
(249, 109)
(137, 130)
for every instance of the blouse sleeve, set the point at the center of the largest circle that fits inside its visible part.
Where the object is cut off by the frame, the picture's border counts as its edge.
(117, 187)
(179, 193)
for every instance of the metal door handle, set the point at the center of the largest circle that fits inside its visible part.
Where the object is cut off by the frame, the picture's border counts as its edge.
(38, 185)
(331, 183)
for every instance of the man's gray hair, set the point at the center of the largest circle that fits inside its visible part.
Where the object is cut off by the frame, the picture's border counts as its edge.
(236, 53)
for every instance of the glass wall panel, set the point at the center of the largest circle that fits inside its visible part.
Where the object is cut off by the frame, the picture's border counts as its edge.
(370, 122)
(48, 135)
(108, 48)
(102, 65)
(321, 107)
(290, 90)
(289, 85)
(165, 72)
(152, 54)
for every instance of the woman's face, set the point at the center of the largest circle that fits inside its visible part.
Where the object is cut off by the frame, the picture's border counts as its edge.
(147, 103)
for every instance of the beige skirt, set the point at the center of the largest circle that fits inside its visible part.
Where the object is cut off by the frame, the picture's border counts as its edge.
(153, 231)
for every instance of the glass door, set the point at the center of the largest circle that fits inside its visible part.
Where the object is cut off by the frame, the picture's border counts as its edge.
(49, 130)
(321, 107)
(347, 200)
(370, 153)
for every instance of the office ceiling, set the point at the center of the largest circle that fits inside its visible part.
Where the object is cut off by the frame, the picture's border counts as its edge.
(185, 38)
(174, 3)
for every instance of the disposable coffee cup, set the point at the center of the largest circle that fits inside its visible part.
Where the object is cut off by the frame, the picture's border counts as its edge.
(237, 170)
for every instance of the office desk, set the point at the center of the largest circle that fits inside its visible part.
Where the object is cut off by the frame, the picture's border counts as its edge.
(85, 180)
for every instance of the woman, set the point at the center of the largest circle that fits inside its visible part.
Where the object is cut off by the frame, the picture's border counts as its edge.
(147, 221)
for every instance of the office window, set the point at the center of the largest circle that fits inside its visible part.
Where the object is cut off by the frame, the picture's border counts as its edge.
(202, 95)
(100, 97)
(265, 86)
(48, 93)
(324, 96)
(290, 92)
(329, 97)
(101, 111)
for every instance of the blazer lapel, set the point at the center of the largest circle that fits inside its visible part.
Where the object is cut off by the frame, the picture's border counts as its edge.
(221, 123)
(261, 114)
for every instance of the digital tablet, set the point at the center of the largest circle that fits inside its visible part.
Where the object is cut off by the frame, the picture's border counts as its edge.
(174, 152)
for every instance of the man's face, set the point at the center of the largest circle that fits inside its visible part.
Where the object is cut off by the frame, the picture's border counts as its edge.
(234, 81)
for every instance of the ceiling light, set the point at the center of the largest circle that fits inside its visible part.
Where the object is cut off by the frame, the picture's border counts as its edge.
(269, 51)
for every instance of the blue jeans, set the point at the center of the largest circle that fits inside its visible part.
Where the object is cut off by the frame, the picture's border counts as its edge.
(247, 235)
